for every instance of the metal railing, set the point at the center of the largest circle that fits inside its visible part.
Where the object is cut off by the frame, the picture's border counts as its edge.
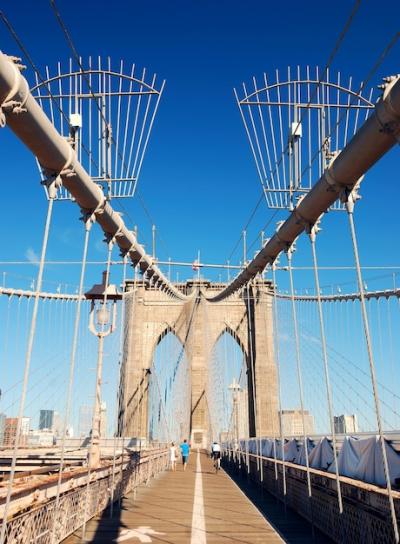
(46, 525)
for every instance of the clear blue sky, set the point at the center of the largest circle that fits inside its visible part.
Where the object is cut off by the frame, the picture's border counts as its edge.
(198, 179)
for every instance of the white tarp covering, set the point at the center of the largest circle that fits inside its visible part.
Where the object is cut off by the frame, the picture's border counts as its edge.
(301, 454)
(278, 446)
(321, 456)
(291, 450)
(253, 446)
(362, 460)
(267, 447)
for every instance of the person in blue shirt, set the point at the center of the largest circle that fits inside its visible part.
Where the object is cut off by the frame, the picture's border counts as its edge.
(185, 453)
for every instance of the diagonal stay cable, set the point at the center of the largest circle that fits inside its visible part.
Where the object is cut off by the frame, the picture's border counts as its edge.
(321, 78)
(326, 68)
(96, 99)
(28, 57)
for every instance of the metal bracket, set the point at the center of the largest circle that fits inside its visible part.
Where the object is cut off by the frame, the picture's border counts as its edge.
(91, 214)
(285, 245)
(17, 61)
(111, 238)
(14, 106)
(312, 229)
(52, 183)
(68, 172)
(350, 195)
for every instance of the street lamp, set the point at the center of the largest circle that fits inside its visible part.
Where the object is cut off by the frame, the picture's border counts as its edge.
(235, 388)
(102, 322)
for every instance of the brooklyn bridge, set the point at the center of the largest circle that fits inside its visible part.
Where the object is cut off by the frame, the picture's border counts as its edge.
(118, 355)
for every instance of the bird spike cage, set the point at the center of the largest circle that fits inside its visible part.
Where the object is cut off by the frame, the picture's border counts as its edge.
(295, 125)
(107, 114)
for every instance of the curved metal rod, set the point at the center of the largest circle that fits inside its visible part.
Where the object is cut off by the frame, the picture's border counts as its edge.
(375, 137)
(59, 161)
(245, 100)
(151, 90)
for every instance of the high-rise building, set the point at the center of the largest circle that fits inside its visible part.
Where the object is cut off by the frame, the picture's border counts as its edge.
(292, 423)
(57, 424)
(85, 420)
(345, 424)
(2, 427)
(46, 419)
(25, 426)
(49, 420)
(10, 431)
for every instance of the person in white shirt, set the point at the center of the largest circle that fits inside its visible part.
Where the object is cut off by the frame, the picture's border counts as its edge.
(172, 456)
(216, 454)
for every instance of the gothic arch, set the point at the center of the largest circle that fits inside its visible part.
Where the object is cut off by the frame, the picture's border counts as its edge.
(238, 338)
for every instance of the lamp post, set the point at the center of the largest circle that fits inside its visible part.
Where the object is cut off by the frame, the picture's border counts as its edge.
(235, 388)
(102, 322)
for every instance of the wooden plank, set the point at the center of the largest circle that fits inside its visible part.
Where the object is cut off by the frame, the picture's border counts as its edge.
(163, 511)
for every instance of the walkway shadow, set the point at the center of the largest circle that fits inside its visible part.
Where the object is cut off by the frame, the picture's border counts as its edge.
(109, 527)
(291, 526)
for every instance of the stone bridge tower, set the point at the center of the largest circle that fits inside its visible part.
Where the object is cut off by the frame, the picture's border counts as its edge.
(198, 324)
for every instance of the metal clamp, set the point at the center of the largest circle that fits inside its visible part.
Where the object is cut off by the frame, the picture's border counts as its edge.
(52, 183)
(350, 195)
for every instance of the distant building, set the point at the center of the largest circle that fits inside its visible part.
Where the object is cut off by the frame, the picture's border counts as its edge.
(292, 423)
(103, 420)
(57, 424)
(46, 420)
(345, 424)
(243, 413)
(2, 427)
(49, 420)
(41, 438)
(85, 420)
(69, 431)
(10, 431)
(25, 425)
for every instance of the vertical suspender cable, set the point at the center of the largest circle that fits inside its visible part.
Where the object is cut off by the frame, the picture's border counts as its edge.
(88, 224)
(312, 234)
(351, 197)
(52, 189)
(298, 364)
(251, 336)
(122, 406)
(118, 391)
(251, 354)
(278, 371)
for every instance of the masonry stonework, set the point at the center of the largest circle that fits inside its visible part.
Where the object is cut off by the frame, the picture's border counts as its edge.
(198, 324)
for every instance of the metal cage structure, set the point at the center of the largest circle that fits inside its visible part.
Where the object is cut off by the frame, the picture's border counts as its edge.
(296, 125)
(107, 114)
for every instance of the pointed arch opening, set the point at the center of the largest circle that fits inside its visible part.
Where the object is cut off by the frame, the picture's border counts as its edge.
(169, 390)
(227, 388)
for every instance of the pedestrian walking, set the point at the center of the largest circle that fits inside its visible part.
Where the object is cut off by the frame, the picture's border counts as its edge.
(185, 449)
(172, 456)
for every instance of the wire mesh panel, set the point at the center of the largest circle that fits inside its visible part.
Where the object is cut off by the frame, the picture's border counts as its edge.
(107, 114)
(296, 123)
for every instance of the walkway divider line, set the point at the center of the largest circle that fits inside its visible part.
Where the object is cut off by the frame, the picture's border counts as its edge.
(198, 521)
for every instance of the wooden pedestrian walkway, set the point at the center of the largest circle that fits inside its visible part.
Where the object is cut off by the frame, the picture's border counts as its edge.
(192, 507)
